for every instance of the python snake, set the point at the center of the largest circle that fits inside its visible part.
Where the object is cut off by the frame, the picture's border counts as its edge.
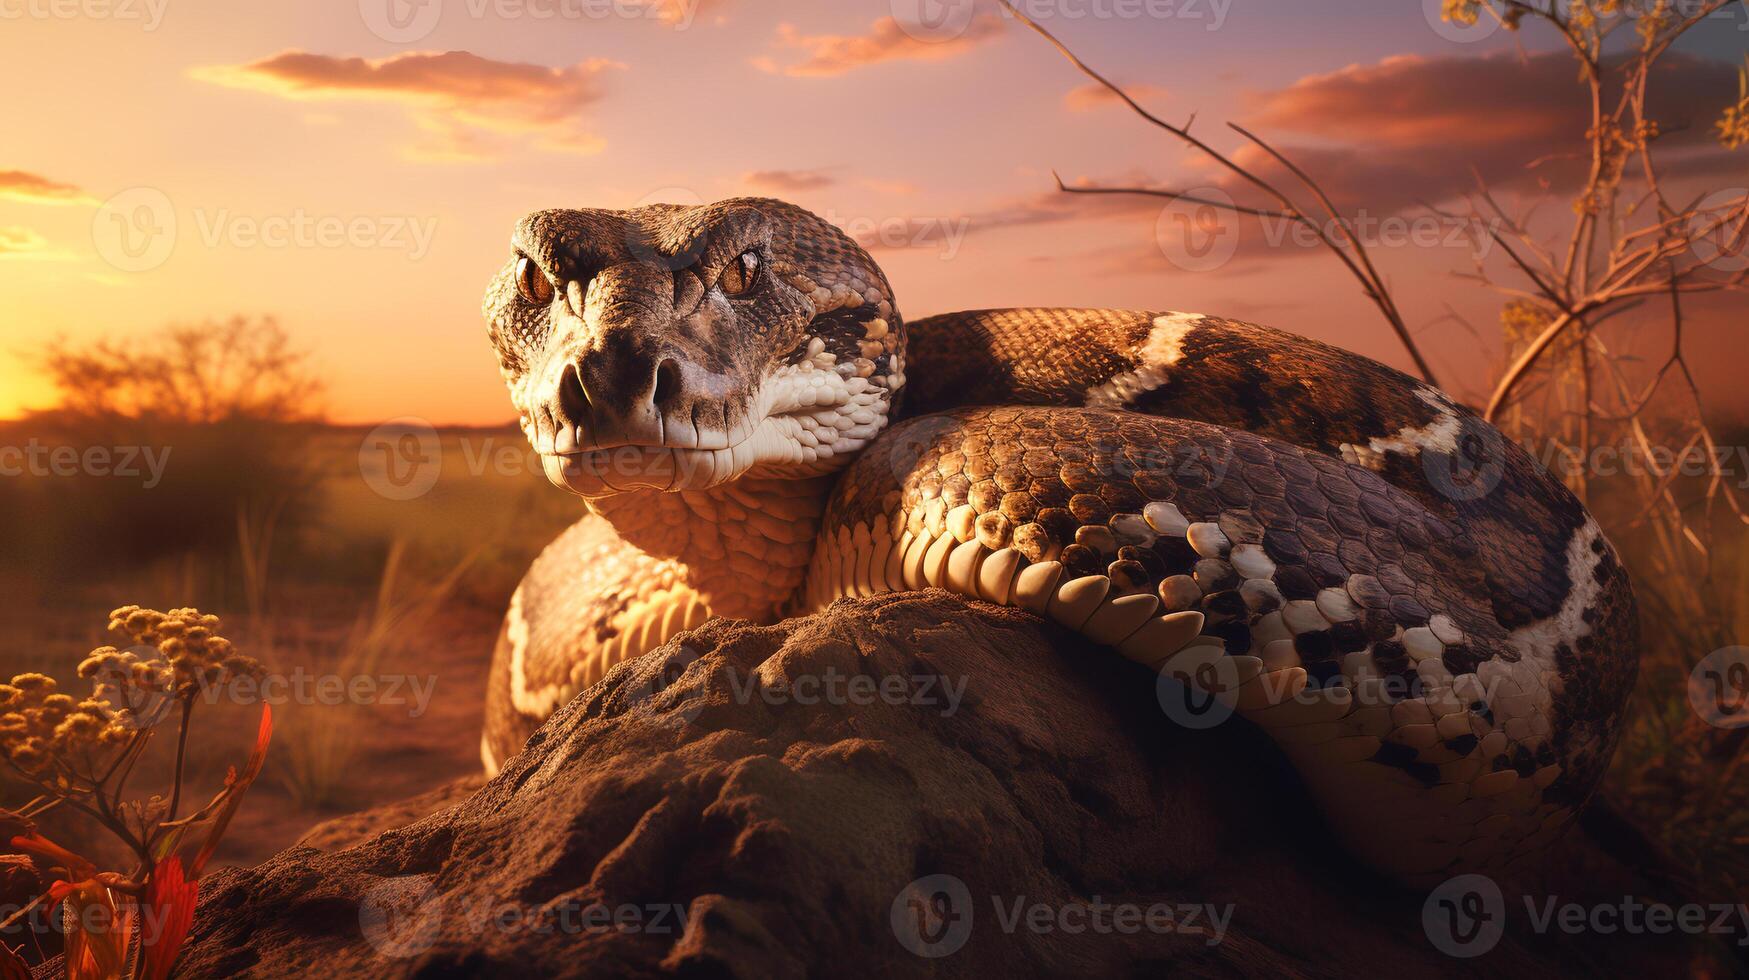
(1429, 625)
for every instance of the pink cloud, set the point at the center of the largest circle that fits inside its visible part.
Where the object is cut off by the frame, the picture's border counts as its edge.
(451, 93)
(1093, 95)
(1411, 128)
(788, 180)
(887, 40)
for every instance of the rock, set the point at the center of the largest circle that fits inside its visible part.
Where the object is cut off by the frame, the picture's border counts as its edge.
(692, 814)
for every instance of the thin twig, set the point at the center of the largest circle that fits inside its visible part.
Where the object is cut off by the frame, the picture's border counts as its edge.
(1359, 264)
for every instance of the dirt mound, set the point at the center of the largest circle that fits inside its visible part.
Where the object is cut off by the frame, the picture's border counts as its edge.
(899, 785)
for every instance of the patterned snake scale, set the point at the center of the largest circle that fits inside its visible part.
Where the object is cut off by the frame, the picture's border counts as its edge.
(1429, 625)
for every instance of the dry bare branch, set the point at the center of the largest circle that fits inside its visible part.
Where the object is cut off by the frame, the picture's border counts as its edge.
(1344, 243)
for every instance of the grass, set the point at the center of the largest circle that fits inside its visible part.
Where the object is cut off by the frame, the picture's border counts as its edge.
(321, 748)
(339, 581)
(315, 753)
(1683, 780)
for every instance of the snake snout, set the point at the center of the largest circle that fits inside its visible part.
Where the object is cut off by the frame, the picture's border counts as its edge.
(622, 397)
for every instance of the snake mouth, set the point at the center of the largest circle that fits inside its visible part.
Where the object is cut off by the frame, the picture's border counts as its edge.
(620, 469)
(797, 425)
(604, 470)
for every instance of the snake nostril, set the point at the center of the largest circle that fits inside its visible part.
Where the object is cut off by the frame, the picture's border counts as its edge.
(667, 382)
(573, 397)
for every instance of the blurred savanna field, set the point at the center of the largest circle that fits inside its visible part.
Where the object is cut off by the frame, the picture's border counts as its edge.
(243, 504)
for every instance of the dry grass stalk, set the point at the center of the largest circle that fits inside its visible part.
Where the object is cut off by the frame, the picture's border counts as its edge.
(1630, 244)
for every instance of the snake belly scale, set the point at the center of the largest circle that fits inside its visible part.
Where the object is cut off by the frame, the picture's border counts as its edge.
(1431, 627)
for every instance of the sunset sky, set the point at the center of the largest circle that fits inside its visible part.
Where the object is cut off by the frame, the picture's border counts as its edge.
(354, 169)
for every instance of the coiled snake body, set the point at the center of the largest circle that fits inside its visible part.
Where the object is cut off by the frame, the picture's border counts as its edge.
(1429, 625)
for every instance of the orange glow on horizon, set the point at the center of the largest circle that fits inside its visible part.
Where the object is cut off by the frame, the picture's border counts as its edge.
(359, 183)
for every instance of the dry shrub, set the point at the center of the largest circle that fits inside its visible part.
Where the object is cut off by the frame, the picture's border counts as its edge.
(1633, 259)
(157, 447)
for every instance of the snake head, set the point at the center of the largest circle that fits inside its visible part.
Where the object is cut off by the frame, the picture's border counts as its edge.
(683, 347)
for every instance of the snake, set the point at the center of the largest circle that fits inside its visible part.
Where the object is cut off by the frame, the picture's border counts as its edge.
(1430, 626)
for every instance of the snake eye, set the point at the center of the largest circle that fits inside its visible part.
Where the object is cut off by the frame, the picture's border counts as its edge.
(742, 274)
(532, 283)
